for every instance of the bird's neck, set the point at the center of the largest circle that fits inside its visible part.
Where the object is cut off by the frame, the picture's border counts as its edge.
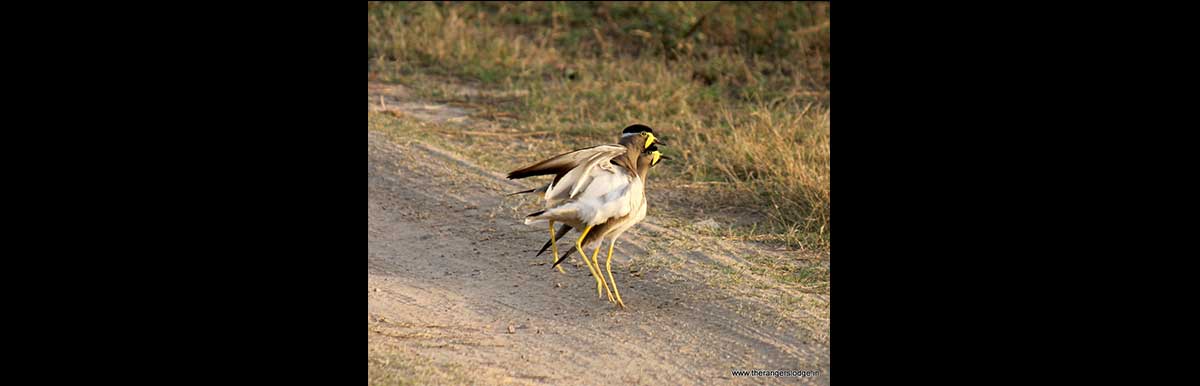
(629, 160)
(643, 170)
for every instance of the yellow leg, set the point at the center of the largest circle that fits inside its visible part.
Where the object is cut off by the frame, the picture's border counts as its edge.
(583, 255)
(608, 266)
(554, 246)
(597, 262)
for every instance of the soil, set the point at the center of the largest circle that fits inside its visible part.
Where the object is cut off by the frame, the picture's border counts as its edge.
(455, 294)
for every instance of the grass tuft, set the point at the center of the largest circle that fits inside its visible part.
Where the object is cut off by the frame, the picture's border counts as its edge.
(740, 90)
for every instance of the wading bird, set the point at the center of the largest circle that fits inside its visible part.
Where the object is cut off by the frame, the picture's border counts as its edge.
(591, 186)
(562, 230)
(541, 192)
(614, 227)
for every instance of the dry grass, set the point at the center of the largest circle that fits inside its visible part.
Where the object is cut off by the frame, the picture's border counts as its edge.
(740, 91)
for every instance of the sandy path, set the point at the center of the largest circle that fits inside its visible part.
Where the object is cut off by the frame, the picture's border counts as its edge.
(454, 295)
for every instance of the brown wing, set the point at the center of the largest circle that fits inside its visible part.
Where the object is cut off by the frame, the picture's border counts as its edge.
(560, 164)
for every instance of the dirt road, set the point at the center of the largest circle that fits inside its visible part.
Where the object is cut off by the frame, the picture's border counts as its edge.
(454, 294)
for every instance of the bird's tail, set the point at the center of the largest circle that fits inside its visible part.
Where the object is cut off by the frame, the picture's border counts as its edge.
(541, 190)
(521, 192)
(556, 214)
(594, 235)
(563, 257)
(558, 235)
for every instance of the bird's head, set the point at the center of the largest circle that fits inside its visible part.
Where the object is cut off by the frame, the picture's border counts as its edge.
(655, 155)
(643, 135)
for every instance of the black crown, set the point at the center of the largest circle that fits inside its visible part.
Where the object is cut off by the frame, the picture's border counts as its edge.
(637, 129)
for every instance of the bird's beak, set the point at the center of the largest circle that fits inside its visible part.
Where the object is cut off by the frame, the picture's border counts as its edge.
(664, 157)
(649, 140)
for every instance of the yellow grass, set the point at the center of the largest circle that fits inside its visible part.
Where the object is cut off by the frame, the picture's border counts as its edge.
(741, 97)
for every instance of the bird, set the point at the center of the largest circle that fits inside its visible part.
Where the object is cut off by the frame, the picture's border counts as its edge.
(562, 230)
(616, 226)
(590, 186)
(541, 192)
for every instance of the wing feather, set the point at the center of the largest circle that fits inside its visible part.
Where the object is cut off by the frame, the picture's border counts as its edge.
(575, 180)
(563, 163)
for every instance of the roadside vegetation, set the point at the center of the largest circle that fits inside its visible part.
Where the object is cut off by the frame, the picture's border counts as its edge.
(739, 90)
